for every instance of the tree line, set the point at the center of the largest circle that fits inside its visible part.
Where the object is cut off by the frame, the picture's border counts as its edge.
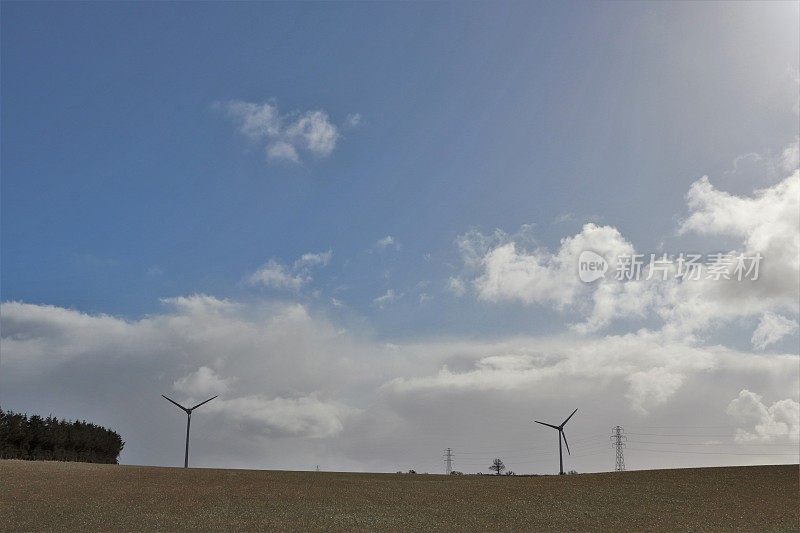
(50, 439)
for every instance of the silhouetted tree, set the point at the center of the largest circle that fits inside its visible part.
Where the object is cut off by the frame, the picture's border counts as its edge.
(497, 466)
(42, 439)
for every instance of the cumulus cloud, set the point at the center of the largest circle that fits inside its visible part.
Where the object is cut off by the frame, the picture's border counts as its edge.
(652, 387)
(652, 367)
(765, 224)
(771, 329)
(276, 275)
(306, 416)
(515, 268)
(295, 387)
(279, 372)
(286, 136)
(502, 267)
(765, 423)
(202, 382)
(539, 276)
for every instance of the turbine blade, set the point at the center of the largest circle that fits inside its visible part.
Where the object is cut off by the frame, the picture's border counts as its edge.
(546, 424)
(565, 441)
(176, 403)
(567, 420)
(201, 403)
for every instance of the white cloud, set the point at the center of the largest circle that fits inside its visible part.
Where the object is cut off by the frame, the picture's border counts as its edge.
(456, 286)
(285, 136)
(653, 367)
(300, 389)
(386, 298)
(506, 267)
(539, 276)
(276, 275)
(387, 242)
(257, 121)
(781, 419)
(306, 416)
(790, 158)
(510, 271)
(314, 131)
(744, 158)
(353, 120)
(765, 224)
(653, 387)
(310, 259)
(202, 382)
(283, 150)
(771, 329)
(286, 367)
(295, 385)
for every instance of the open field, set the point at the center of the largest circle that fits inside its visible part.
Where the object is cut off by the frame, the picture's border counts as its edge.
(76, 496)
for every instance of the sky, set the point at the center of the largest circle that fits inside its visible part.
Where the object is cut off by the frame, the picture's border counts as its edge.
(361, 225)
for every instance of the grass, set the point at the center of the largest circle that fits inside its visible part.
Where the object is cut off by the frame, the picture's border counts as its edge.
(76, 496)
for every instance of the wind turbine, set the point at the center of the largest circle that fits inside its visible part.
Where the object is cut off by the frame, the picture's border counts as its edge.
(188, 423)
(560, 436)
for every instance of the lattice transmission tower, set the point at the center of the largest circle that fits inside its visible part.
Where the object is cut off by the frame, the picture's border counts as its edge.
(618, 442)
(448, 461)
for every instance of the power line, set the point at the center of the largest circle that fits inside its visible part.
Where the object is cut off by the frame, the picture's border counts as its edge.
(682, 435)
(749, 444)
(713, 453)
(618, 441)
(684, 427)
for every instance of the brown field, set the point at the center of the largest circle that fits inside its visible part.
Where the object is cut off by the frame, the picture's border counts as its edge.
(75, 496)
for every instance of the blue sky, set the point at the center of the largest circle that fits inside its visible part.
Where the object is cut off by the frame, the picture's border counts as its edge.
(127, 178)
(115, 162)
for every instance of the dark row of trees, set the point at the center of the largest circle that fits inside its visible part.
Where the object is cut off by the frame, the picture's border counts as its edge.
(50, 439)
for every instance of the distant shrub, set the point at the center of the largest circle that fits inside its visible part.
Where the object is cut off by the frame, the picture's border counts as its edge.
(49, 439)
(572, 472)
(456, 473)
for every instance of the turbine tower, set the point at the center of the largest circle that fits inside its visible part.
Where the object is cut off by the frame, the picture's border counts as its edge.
(560, 436)
(188, 412)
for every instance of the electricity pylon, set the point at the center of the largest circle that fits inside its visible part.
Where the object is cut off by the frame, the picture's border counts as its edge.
(448, 461)
(618, 442)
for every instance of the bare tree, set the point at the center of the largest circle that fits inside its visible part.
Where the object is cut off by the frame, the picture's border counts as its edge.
(497, 466)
